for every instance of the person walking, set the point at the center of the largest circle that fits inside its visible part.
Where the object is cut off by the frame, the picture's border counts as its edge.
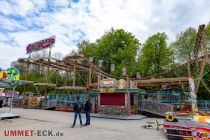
(77, 112)
(87, 110)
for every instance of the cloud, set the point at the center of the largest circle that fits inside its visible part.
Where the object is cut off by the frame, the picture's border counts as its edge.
(26, 21)
(21, 8)
(10, 24)
(61, 3)
(9, 54)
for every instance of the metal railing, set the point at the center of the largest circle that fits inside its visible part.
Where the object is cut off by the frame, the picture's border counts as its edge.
(204, 105)
(155, 107)
(58, 103)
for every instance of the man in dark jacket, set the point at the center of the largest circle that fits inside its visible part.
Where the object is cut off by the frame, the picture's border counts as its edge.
(1, 102)
(77, 111)
(87, 110)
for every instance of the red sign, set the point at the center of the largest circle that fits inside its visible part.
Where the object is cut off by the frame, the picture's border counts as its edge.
(40, 45)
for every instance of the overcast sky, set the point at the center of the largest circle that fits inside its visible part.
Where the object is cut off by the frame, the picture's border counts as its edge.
(26, 21)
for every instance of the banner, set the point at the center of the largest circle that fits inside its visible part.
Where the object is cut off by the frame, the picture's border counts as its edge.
(133, 84)
(124, 71)
(192, 91)
(100, 63)
(193, 94)
(33, 101)
(2, 73)
(112, 68)
(1, 90)
(138, 75)
(40, 45)
(122, 84)
(10, 73)
(91, 59)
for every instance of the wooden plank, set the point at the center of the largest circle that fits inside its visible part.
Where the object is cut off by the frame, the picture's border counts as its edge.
(180, 66)
(163, 80)
(207, 62)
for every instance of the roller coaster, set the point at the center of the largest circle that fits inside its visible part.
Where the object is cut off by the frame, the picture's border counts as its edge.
(78, 67)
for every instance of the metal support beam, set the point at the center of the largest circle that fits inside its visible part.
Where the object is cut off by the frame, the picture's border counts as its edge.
(180, 81)
(200, 77)
(90, 76)
(99, 80)
(74, 75)
(66, 79)
(205, 85)
(188, 69)
(207, 62)
(48, 69)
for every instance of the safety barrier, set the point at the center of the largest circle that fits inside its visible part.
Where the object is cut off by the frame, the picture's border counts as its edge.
(165, 97)
(62, 100)
(204, 105)
(113, 110)
(155, 107)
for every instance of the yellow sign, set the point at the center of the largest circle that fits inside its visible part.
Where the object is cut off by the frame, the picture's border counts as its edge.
(121, 84)
(1, 89)
(10, 73)
(107, 90)
(2, 73)
(108, 83)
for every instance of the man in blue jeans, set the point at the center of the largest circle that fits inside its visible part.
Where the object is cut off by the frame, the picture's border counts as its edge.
(87, 110)
(77, 111)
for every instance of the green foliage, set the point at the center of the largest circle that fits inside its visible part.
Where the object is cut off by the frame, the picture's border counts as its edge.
(87, 49)
(208, 36)
(184, 44)
(208, 31)
(121, 48)
(203, 92)
(114, 47)
(156, 56)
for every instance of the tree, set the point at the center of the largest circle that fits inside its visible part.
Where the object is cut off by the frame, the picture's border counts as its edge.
(72, 52)
(87, 48)
(208, 36)
(184, 44)
(155, 55)
(208, 31)
(114, 47)
(120, 48)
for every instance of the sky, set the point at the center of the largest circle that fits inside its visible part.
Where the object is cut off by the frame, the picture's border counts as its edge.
(71, 21)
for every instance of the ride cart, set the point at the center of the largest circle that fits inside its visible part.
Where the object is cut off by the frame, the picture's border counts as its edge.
(186, 129)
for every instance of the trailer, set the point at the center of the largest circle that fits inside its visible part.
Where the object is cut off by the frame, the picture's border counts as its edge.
(186, 129)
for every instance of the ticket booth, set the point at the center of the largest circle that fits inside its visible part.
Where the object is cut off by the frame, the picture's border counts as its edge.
(116, 98)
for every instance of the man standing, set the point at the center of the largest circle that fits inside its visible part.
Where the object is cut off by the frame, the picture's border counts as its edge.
(77, 111)
(87, 110)
(1, 102)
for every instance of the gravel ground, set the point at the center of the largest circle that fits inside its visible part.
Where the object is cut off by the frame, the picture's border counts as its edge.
(42, 121)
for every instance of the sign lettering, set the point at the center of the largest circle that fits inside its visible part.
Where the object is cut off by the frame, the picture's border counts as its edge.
(40, 45)
(108, 83)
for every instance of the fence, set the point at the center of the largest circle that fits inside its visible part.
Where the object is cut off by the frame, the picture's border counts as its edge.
(62, 100)
(155, 107)
(180, 100)
(114, 110)
(165, 97)
(204, 105)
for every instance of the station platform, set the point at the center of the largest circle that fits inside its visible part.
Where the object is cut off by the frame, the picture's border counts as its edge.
(118, 117)
(7, 115)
